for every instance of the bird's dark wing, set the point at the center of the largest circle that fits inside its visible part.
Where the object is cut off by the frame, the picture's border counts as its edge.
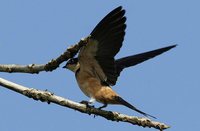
(110, 34)
(104, 43)
(138, 58)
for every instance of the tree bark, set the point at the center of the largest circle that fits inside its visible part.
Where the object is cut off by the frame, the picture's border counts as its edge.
(46, 96)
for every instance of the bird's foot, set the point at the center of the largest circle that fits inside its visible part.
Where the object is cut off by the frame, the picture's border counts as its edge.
(104, 106)
(87, 103)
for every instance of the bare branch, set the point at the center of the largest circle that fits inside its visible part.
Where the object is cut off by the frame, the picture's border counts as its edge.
(49, 97)
(50, 66)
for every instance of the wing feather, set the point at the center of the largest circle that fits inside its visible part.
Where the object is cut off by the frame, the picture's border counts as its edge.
(105, 42)
(110, 34)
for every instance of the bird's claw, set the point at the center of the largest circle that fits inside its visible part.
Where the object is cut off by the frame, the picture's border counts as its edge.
(87, 103)
(101, 107)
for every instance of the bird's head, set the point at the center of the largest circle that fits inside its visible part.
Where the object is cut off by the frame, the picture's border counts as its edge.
(72, 64)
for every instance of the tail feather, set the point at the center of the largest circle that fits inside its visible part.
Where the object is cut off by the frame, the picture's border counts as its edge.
(133, 60)
(125, 103)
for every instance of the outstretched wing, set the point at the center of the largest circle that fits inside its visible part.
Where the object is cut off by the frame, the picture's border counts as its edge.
(139, 58)
(105, 42)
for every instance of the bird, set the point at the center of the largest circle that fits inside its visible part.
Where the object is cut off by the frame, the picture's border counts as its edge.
(96, 69)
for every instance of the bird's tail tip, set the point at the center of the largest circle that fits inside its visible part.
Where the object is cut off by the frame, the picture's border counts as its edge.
(125, 103)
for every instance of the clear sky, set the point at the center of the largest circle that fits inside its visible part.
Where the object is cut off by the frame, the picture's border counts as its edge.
(168, 86)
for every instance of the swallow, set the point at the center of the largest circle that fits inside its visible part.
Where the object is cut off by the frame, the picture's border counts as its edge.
(96, 69)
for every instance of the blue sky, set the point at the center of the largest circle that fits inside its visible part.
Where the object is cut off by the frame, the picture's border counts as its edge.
(167, 86)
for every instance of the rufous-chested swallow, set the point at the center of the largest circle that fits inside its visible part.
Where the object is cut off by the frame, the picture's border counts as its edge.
(96, 70)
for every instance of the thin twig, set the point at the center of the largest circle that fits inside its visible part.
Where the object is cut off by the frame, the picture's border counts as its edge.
(49, 97)
(50, 66)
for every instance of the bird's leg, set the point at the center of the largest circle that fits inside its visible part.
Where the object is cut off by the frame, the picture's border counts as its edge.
(104, 105)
